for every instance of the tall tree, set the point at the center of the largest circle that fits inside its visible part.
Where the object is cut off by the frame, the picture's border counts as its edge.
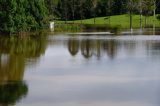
(73, 9)
(94, 2)
(109, 4)
(131, 4)
(81, 10)
(140, 11)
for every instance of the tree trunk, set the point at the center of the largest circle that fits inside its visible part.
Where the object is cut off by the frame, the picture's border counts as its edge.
(109, 20)
(154, 16)
(145, 21)
(66, 11)
(81, 11)
(141, 14)
(73, 10)
(109, 10)
(141, 21)
(94, 16)
(130, 20)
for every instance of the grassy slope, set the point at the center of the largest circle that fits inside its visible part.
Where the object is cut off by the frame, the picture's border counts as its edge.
(122, 20)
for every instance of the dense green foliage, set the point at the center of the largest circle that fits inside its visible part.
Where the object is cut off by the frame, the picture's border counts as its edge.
(83, 9)
(12, 92)
(28, 15)
(21, 15)
(87, 9)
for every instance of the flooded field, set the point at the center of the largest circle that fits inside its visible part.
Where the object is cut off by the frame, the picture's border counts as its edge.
(81, 69)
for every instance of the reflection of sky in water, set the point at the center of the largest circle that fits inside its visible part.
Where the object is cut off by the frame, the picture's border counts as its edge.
(130, 79)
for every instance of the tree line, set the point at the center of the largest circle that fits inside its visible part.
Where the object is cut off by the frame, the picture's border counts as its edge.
(82, 9)
(28, 15)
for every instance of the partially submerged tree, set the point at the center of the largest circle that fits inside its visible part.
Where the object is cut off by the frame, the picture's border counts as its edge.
(131, 4)
(81, 10)
(94, 2)
(147, 8)
(109, 5)
(140, 9)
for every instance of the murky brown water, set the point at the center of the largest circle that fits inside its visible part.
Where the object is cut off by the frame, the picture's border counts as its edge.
(81, 69)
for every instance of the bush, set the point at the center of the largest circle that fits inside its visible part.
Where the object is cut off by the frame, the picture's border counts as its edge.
(158, 17)
(21, 15)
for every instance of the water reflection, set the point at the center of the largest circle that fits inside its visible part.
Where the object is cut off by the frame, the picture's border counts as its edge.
(89, 48)
(97, 71)
(11, 92)
(73, 46)
(16, 53)
(112, 48)
(153, 48)
(80, 70)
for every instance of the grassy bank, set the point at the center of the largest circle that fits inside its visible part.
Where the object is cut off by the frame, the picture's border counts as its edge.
(119, 20)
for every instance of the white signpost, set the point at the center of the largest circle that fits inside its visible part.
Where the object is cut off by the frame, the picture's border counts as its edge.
(52, 26)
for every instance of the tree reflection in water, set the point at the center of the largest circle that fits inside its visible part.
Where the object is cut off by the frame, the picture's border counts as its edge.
(11, 92)
(91, 48)
(111, 48)
(98, 47)
(153, 49)
(73, 46)
(87, 48)
(15, 54)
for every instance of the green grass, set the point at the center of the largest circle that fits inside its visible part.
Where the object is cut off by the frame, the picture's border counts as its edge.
(119, 20)
(67, 27)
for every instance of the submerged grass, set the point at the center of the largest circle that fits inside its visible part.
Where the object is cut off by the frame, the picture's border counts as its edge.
(68, 27)
(121, 21)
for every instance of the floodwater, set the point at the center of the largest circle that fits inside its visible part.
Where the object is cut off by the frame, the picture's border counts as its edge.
(80, 69)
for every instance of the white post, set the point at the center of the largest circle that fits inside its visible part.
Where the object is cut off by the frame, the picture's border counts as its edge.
(52, 26)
